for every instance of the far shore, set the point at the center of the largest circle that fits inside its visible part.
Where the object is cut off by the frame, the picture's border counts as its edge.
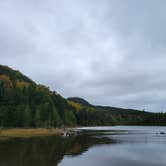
(31, 132)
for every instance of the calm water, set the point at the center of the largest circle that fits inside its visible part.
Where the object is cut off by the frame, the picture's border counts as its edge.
(97, 146)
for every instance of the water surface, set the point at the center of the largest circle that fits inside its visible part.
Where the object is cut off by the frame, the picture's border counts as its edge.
(132, 146)
(96, 146)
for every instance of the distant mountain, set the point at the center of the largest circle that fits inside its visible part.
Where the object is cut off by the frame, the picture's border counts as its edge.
(105, 108)
(79, 100)
(24, 103)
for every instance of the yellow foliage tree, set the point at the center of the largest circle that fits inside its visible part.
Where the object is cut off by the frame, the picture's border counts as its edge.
(22, 84)
(6, 80)
(77, 106)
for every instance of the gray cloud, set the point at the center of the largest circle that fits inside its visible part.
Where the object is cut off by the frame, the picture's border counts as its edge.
(111, 52)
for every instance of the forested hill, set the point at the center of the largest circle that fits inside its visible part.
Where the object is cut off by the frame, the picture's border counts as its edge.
(23, 103)
(79, 100)
(95, 114)
(13, 75)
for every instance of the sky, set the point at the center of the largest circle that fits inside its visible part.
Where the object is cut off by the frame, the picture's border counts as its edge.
(110, 52)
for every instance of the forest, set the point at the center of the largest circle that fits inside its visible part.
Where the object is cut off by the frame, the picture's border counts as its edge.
(24, 103)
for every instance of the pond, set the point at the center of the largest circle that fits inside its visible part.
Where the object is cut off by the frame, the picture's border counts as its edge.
(95, 146)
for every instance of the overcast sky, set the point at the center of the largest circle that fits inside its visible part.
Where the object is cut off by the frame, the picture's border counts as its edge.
(110, 52)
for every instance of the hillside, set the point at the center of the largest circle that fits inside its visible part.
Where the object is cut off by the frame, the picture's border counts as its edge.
(106, 115)
(24, 103)
(13, 75)
(79, 100)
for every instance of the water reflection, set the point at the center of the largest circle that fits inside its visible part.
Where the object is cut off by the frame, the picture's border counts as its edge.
(44, 151)
(135, 146)
(125, 147)
(120, 155)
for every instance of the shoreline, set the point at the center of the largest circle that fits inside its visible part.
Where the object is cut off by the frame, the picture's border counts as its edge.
(32, 132)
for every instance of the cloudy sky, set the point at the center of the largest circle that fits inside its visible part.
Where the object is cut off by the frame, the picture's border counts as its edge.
(110, 52)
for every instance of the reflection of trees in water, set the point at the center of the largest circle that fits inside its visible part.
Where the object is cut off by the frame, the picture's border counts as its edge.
(44, 151)
(82, 143)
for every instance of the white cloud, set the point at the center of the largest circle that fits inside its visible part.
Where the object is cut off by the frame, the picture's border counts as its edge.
(111, 52)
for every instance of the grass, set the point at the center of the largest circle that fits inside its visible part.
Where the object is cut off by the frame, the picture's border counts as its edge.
(19, 132)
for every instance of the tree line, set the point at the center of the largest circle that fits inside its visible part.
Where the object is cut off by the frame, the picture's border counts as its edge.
(23, 103)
